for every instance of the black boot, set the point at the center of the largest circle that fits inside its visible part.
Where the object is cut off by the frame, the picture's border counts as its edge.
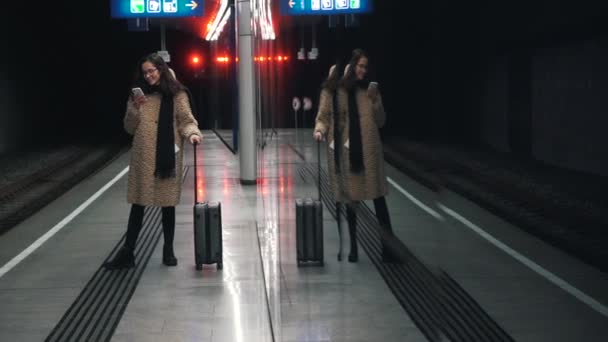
(169, 258)
(339, 221)
(388, 256)
(351, 217)
(386, 229)
(124, 258)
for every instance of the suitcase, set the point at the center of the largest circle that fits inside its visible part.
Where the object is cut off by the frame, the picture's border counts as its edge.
(309, 226)
(207, 229)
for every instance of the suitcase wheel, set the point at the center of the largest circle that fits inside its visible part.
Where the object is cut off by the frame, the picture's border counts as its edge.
(199, 267)
(220, 265)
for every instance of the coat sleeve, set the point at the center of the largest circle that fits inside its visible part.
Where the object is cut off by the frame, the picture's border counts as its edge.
(186, 123)
(324, 112)
(378, 109)
(131, 119)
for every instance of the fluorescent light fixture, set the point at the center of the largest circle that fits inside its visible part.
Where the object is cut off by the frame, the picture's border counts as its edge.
(262, 18)
(223, 22)
(217, 20)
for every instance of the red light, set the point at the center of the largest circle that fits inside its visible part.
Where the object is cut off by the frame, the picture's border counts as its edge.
(278, 58)
(222, 59)
(196, 60)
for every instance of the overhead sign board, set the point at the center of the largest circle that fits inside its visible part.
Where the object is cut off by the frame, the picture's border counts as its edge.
(156, 8)
(325, 7)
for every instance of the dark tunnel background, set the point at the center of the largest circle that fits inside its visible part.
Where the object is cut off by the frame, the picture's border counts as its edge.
(523, 77)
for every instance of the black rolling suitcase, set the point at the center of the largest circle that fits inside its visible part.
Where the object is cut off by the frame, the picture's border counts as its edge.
(207, 229)
(309, 225)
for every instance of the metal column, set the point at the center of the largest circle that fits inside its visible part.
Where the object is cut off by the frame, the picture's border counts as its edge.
(247, 130)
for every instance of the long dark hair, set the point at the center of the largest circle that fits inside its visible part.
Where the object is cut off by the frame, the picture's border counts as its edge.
(168, 84)
(332, 81)
(350, 78)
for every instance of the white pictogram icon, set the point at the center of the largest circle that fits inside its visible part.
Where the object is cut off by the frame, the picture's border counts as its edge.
(170, 6)
(327, 4)
(342, 4)
(153, 6)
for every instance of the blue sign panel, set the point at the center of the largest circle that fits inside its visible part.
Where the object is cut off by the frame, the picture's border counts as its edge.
(325, 7)
(156, 8)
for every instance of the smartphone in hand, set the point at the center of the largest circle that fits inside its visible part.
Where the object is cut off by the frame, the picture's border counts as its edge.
(372, 91)
(137, 92)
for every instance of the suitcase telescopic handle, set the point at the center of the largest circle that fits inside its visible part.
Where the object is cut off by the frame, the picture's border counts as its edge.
(319, 169)
(195, 175)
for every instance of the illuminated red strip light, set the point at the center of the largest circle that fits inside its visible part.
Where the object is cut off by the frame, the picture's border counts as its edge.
(279, 59)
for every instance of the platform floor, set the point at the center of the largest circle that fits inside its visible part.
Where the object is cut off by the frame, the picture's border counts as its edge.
(52, 287)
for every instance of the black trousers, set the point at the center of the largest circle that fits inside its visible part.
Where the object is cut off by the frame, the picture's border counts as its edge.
(381, 214)
(136, 218)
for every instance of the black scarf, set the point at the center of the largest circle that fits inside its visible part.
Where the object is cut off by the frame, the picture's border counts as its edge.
(337, 133)
(165, 140)
(354, 127)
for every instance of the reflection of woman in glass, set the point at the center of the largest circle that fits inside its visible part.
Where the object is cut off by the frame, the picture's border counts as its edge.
(350, 115)
(360, 115)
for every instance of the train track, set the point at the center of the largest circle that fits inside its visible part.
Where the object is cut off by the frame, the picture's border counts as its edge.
(22, 197)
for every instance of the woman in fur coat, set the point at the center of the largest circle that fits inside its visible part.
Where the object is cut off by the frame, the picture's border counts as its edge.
(159, 120)
(350, 118)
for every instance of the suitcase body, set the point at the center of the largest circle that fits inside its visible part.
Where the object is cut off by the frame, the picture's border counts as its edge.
(208, 234)
(309, 232)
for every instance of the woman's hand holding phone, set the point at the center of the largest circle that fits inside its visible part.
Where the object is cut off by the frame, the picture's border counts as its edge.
(372, 91)
(138, 97)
